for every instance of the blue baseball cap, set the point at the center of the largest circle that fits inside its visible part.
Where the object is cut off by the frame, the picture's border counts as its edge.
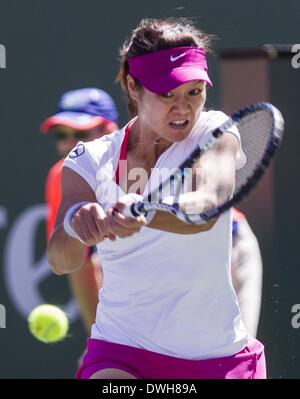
(83, 109)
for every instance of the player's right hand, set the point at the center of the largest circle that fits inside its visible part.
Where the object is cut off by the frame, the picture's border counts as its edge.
(90, 222)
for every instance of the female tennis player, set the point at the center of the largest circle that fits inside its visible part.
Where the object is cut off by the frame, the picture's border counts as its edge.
(168, 308)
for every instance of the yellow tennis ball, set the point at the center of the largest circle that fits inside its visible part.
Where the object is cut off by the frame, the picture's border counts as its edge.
(48, 323)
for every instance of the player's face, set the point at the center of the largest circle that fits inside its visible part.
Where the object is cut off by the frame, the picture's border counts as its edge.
(66, 137)
(172, 115)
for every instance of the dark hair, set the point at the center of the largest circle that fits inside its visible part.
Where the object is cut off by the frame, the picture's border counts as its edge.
(154, 35)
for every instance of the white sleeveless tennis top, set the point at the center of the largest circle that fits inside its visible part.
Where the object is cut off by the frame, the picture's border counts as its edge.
(164, 292)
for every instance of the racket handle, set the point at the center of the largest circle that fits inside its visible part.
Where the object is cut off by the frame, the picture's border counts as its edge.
(129, 200)
(133, 210)
(127, 211)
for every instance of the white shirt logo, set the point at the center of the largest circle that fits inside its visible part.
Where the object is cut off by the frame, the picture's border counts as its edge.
(176, 58)
(77, 151)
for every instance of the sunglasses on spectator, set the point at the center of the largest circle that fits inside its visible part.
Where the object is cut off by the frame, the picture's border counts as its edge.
(60, 135)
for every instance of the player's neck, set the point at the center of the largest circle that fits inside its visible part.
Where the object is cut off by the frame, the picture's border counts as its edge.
(144, 143)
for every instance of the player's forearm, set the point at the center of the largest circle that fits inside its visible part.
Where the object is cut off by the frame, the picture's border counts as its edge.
(190, 203)
(65, 254)
(166, 222)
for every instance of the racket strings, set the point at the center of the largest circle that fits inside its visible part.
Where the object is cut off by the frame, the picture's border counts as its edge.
(255, 135)
(261, 130)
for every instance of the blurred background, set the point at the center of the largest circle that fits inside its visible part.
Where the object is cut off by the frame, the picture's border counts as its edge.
(55, 46)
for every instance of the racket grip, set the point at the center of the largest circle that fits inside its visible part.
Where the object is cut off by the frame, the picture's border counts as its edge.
(127, 211)
(129, 200)
(133, 210)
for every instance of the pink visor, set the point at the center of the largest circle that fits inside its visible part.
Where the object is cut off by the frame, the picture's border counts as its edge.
(164, 70)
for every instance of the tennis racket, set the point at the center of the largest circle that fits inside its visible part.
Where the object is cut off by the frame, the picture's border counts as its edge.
(261, 130)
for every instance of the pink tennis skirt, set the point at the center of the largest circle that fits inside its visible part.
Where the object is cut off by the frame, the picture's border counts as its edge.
(143, 364)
